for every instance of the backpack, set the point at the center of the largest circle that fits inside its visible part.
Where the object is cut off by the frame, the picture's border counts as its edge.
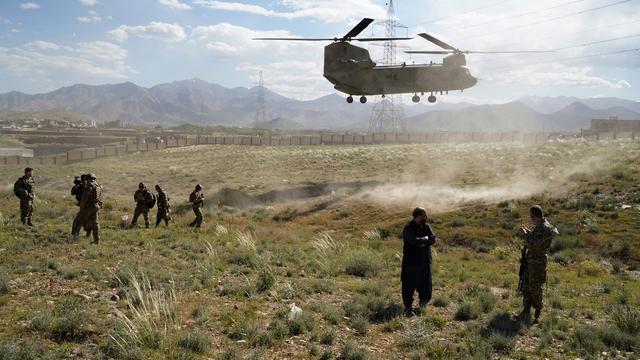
(151, 200)
(17, 189)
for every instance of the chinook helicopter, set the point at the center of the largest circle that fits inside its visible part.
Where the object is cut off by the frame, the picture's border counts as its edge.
(352, 71)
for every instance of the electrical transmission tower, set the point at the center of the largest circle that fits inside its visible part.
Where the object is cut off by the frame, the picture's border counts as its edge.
(388, 113)
(261, 108)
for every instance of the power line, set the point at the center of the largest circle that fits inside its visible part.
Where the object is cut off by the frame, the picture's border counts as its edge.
(511, 17)
(549, 20)
(568, 35)
(597, 42)
(565, 59)
(463, 13)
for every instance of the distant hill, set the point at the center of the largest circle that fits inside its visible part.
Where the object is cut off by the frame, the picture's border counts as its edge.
(548, 105)
(202, 103)
(514, 116)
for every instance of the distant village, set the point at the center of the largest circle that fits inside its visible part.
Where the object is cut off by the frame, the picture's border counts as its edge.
(36, 122)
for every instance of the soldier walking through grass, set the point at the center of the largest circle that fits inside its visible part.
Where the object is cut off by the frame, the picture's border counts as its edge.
(163, 207)
(145, 200)
(416, 261)
(537, 242)
(197, 202)
(24, 190)
(90, 204)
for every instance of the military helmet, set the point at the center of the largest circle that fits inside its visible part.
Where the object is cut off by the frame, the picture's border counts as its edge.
(91, 176)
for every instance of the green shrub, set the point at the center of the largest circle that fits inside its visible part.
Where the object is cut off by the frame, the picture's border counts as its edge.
(194, 341)
(4, 286)
(487, 301)
(586, 340)
(350, 351)
(301, 324)
(627, 319)
(501, 343)
(363, 263)
(278, 329)
(21, 351)
(440, 301)
(263, 339)
(616, 338)
(560, 243)
(468, 310)
(265, 281)
(360, 324)
(328, 337)
(333, 314)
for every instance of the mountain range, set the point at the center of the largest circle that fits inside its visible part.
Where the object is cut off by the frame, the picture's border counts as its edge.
(199, 102)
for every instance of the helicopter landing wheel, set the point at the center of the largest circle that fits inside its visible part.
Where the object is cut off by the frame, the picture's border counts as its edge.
(432, 99)
(350, 99)
(415, 98)
(363, 99)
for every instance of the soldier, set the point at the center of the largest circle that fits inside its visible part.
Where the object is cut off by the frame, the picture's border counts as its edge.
(79, 185)
(537, 243)
(90, 204)
(24, 190)
(143, 199)
(163, 207)
(197, 202)
(416, 261)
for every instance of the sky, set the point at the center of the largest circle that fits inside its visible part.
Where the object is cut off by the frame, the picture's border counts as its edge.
(47, 44)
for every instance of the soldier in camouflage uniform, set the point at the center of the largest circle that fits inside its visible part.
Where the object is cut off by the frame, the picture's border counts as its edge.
(90, 204)
(197, 202)
(537, 243)
(142, 196)
(24, 190)
(163, 207)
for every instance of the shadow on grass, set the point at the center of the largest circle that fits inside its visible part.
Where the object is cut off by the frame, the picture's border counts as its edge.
(504, 324)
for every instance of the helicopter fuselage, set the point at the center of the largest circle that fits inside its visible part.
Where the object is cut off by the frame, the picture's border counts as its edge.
(352, 71)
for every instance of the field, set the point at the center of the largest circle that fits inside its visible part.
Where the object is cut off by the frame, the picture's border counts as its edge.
(319, 227)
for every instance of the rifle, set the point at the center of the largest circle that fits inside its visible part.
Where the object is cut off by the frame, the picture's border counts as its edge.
(523, 270)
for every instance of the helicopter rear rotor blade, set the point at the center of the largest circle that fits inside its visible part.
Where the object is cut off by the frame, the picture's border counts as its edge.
(435, 52)
(436, 41)
(363, 24)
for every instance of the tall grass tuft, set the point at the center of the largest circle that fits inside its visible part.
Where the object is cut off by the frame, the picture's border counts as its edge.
(150, 318)
(326, 245)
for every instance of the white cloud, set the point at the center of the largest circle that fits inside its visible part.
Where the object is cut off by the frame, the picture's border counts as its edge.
(92, 17)
(175, 4)
(560, 75)
(4, 20)
(227, 40)
(82, 62)
(154, 30)
(40, 45)
(325, 10)
(88, 2)
(292, 78)
(29, 6)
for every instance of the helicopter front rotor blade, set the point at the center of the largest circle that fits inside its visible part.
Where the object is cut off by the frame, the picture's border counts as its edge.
(508, 52)
(363, 24)
(296, 39)
(436, 41)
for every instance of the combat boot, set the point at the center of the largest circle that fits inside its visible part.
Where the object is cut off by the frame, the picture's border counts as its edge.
(525, 315)
(29, 223)
(536, 318)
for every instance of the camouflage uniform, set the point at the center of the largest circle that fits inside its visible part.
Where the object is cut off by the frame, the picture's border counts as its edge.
(197, 202)
(141, 197)
(24, 189)
(87, 216)
(537, 243)
(163, 208)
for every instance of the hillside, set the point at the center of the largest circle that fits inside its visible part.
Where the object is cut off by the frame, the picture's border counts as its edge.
(196, 101)
(323, 232)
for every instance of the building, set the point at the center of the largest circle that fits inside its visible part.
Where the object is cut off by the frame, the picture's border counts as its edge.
(614, 125)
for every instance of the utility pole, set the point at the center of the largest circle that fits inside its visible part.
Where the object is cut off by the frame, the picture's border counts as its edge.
(388, 112)
(261, 108)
